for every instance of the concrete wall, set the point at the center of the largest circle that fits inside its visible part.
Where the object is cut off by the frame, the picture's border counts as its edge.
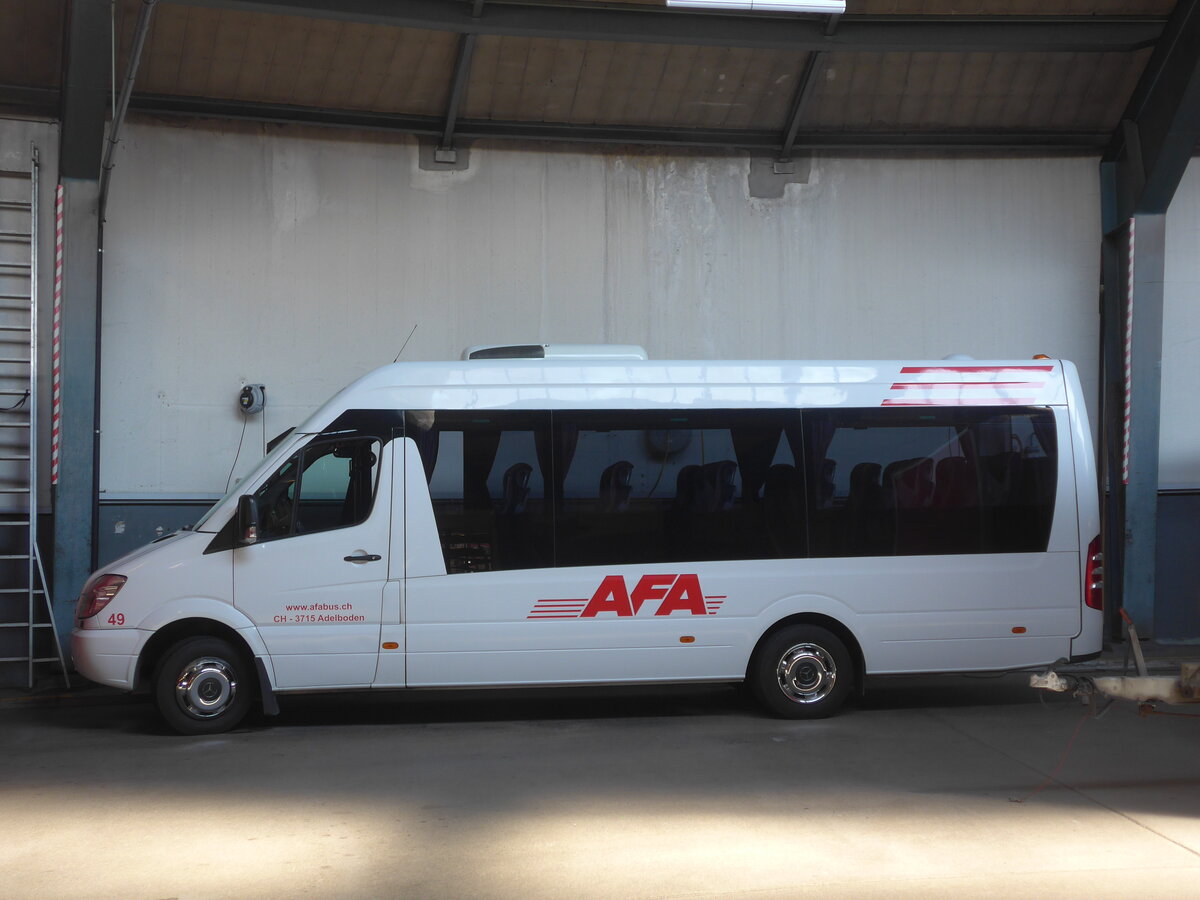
(301, 259)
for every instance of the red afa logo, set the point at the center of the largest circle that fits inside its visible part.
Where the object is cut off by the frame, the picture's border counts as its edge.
(671, 593)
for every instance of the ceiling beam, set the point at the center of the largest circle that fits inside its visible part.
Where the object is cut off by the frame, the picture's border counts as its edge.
(765, 141)
(37, 101)
(145, 13)
(657, 25)
(804, 89)
(1146, 156)
(458, 87)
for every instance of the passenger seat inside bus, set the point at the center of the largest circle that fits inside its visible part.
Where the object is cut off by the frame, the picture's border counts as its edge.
(783, 508)
(700, 524)
(615, 487)
(516, 489)
(956, 485)
(717, 486)
(865, 531)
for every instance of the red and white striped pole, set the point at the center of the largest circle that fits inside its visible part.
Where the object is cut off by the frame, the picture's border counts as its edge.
(56, 351)
(1128, 359)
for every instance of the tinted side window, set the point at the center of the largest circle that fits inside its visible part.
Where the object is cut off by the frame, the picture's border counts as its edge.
(487, 475)
(647, 486)
(329, 484)
(930, 481)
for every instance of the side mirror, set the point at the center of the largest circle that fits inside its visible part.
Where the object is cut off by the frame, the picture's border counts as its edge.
(247, 520)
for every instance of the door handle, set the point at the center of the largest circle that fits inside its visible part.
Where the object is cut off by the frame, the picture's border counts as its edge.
(363, 558)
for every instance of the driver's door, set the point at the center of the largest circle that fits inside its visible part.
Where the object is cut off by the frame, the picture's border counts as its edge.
(313, 582)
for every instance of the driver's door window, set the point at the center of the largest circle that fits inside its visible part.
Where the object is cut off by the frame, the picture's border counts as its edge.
(327, 485)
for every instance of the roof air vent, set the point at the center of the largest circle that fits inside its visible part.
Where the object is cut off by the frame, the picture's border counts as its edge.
(554, 351)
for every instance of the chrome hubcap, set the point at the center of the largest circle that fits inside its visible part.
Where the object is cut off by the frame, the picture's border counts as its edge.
(205, 687)
(806, 673)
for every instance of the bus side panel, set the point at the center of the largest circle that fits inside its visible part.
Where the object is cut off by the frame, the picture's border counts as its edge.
(578, 625)
(980, 612)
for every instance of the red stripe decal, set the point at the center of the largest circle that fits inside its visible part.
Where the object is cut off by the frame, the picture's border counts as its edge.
(971, 370)
(934, 385)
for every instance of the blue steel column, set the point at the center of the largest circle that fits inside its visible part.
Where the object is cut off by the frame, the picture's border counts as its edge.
(1140, 494)
(1111, 407)
(86, 83)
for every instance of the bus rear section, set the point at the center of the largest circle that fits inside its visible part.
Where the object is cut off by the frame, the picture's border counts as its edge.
(927, 518)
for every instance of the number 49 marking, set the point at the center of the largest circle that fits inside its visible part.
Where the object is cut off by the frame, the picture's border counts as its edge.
(116, 619)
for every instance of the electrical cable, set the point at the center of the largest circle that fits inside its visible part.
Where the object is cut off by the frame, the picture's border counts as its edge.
(1061, 761)
(229, 479)
(16, 405)
(662, 467)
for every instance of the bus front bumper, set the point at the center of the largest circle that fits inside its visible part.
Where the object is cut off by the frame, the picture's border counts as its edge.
(107, 655)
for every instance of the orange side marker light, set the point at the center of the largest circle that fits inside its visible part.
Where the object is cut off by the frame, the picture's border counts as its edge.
(1020, 629)
(687, 639)
(390, 645)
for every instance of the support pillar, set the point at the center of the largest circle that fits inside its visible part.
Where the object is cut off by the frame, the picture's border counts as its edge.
(1143, 318)
(75, 496)
(85, 99)
(1134, 258)
(1111, 406)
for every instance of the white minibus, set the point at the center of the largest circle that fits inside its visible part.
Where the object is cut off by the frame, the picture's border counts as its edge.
(583, 515)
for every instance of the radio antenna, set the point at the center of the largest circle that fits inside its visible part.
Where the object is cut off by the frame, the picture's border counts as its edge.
(405, 344)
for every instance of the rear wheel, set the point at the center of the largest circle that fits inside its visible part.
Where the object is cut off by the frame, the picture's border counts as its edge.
(202, 686)
(802, 672)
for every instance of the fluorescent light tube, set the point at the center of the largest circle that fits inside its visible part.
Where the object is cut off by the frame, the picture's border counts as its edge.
(796, 6)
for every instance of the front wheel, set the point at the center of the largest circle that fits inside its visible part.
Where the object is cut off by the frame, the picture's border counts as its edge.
(202, 686)
(802, 672)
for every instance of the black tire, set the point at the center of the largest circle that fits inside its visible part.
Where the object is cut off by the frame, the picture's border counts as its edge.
(802, 672)
(203, 685)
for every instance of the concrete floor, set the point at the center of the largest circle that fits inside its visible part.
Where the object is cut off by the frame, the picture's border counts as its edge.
(671, 793)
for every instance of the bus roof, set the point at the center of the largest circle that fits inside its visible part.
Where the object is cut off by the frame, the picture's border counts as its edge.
(637, 384)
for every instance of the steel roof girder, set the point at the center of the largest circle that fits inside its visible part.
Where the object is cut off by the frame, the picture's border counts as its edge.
(765, 140)
(1160, 129)
(458, 87)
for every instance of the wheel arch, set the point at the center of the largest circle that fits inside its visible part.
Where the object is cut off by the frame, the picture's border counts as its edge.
(168, 635)
(830, 624)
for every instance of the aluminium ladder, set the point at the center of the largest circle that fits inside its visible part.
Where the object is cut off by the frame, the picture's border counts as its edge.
(28, 635)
